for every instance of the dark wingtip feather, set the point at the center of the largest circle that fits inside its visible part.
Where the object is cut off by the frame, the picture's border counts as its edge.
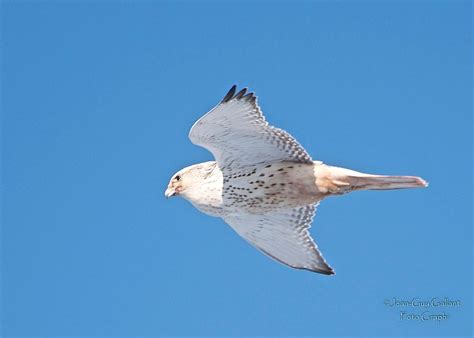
(250, 96)
(240, 94)
(325, 271)
(230, 94)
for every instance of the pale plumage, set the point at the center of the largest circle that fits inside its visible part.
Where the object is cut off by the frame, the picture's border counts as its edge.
(264, 184)
(238, 136)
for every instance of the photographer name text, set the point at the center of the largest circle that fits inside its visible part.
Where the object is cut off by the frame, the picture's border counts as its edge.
(423, 309)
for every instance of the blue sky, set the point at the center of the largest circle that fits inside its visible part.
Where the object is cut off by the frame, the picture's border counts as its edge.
(97, 101)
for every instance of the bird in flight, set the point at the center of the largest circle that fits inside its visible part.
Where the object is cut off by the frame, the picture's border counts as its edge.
(264, 184)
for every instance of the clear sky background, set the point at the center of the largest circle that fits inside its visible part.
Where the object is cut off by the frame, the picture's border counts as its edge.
(97, 102)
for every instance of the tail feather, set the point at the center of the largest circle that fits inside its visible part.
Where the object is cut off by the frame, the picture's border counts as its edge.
(346, 180)
(386, 182)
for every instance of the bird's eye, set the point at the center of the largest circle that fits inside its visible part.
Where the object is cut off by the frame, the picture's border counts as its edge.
(178, 178)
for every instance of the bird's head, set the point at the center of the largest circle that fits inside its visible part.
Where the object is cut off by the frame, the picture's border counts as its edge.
(190, 179)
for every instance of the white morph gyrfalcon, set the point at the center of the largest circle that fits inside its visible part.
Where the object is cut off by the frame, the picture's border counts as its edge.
(264, 184)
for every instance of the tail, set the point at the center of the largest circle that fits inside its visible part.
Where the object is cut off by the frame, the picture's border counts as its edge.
(378, 182)
(345, 180)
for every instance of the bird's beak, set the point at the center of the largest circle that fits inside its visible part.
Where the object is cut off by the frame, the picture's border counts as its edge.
(170, 192)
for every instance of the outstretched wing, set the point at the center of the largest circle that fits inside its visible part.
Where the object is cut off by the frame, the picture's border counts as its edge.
(284, 236)
(236, 133)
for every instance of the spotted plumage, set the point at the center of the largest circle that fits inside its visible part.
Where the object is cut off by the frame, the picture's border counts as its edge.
(264, 184)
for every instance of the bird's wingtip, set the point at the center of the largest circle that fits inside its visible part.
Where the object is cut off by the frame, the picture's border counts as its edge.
(230, 94)
(243, 94)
